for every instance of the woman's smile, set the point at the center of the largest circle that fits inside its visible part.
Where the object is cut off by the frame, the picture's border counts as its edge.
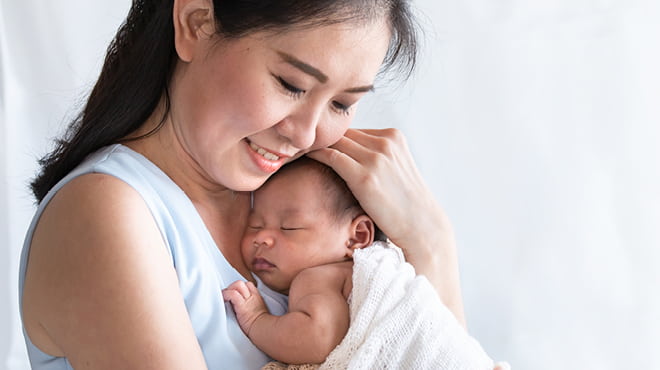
(266, 160)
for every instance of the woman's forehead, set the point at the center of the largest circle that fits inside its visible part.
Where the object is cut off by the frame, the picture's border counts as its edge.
(333, 49)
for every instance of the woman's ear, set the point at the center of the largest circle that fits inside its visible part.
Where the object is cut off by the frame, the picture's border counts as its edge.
(361, 233)
(193, 20)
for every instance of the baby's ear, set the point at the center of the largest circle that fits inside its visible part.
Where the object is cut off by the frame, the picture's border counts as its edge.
(361, 233)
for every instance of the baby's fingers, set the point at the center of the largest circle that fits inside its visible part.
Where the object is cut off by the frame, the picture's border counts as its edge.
(240, 288)
(251, 288)
(232, 295)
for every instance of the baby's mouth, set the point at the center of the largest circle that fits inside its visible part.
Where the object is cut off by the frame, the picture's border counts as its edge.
(259, 264)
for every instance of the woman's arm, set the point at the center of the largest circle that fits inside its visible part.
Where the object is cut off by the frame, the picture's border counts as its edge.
(379, 169)
(100, 287)
(316, 322)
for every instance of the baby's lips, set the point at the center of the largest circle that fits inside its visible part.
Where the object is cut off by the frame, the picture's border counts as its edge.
(259, 264)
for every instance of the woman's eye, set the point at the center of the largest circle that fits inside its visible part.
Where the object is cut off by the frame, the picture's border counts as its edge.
(291, 89)
(341, 108)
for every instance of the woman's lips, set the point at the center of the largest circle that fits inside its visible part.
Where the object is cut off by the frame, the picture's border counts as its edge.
(260, 264)
(268, 161)
(267, 154)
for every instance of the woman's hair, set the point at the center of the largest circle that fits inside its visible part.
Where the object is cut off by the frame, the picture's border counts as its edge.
(141, 59)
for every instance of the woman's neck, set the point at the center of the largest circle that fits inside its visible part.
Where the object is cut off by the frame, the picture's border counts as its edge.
(223, 210)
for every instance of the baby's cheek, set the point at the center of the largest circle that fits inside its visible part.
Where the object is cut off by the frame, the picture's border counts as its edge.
(246, 249)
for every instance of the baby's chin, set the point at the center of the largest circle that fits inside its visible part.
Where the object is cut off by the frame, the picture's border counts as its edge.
(272, 283)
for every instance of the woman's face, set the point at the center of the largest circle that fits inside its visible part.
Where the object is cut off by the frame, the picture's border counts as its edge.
(242, 108)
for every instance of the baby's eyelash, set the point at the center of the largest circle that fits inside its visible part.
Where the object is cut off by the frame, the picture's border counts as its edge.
(291, 89)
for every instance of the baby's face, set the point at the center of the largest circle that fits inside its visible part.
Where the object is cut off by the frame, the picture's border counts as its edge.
(291, 228)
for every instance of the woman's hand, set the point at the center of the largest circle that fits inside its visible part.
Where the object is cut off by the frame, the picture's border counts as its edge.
(380, 171)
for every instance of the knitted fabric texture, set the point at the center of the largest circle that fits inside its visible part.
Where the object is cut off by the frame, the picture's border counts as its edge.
(399, 322)
(276, 365)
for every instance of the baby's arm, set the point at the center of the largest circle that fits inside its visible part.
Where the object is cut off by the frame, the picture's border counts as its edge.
(317, 320)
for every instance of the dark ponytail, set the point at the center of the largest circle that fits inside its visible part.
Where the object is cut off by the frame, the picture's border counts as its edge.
(141, 59)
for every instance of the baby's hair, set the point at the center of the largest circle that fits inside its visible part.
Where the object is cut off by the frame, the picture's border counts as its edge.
(336, 193)
(338, 196)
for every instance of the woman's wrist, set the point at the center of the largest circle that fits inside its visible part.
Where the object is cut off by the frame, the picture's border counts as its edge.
(431, 249)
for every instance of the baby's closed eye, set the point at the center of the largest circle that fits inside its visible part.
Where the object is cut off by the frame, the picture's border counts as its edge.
(290, 228)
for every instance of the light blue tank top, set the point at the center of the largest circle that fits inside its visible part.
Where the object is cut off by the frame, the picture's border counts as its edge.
(201, 268)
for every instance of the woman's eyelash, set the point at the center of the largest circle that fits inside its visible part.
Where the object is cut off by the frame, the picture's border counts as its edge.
(341, 108)
(296, 92)
(293, 90)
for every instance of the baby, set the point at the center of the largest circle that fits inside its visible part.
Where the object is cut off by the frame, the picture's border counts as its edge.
(303, 228)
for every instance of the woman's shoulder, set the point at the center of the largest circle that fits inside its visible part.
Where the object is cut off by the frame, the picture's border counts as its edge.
(94, 196)
(90, 213)
(94, 254)
(95, 211)
(109, 183)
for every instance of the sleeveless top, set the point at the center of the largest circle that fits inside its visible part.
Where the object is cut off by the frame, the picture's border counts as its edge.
(201, 268)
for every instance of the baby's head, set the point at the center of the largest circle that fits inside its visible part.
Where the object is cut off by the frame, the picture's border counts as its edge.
(303, 216)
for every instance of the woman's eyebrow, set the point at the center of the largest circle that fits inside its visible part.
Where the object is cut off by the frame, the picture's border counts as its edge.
(360, 89)
(316, 73)
(312, 71)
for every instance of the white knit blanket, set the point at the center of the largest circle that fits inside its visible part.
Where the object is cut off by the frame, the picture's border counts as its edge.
(399, 322)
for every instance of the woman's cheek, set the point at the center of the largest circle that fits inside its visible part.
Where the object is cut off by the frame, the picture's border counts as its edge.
(330, 133)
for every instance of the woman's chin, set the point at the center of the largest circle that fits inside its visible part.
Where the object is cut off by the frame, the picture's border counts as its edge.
(248, 183)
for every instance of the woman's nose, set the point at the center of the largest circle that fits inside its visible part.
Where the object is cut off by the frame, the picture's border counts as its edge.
(300, 127)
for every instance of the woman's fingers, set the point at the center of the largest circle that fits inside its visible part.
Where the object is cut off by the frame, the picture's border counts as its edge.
(384, 178)
(502, 366)
(365, 146)
(379, 170)
(342, 163)
(356, 155)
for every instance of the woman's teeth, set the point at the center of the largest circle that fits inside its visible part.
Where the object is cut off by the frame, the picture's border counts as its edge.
(266, 154)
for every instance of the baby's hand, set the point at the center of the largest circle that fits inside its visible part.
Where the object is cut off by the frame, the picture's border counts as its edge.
(247, 303)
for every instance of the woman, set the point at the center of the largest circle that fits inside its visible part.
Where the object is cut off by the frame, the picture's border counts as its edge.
(142, 206)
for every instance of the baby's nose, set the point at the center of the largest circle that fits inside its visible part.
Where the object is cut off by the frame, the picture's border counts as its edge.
(263, 240)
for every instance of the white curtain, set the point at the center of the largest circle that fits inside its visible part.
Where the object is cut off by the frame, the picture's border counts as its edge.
(536, 123)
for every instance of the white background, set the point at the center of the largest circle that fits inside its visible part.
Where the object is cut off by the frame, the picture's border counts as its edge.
(535, 122)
